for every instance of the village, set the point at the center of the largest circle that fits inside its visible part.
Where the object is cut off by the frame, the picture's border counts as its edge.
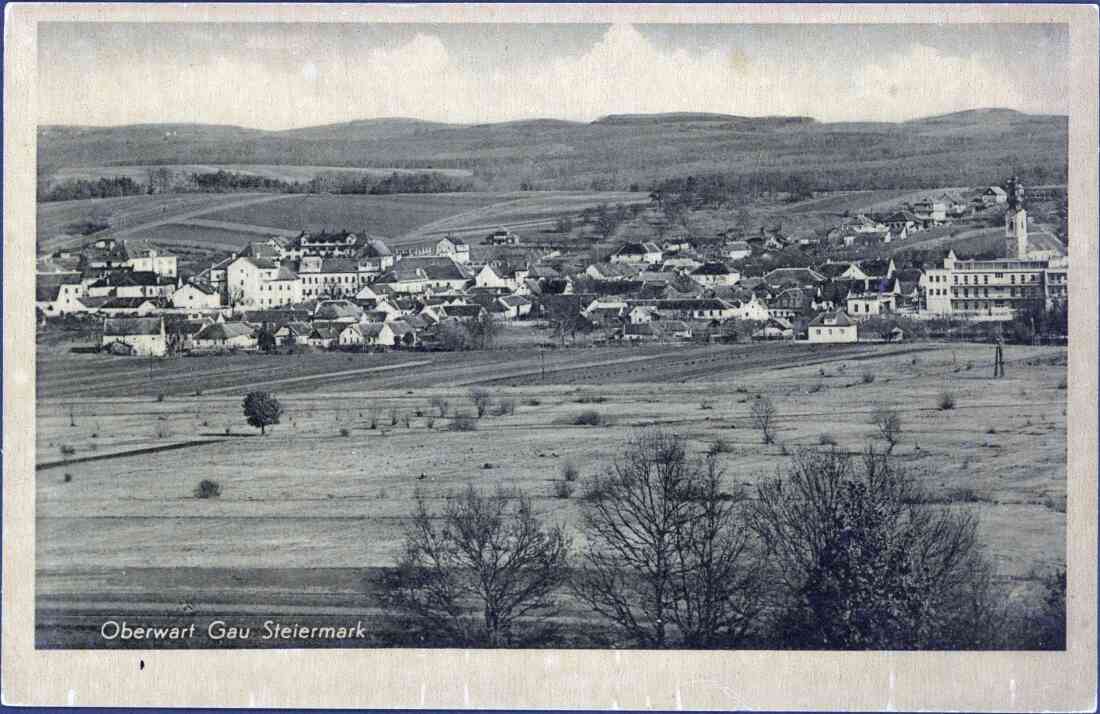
(341, 290)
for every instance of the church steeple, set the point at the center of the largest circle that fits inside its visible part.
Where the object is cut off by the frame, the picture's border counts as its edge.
(1015, 220)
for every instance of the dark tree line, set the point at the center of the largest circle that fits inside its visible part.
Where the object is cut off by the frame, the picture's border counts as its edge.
(75, 189)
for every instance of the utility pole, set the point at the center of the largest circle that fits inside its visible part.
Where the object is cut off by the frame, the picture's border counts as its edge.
(999, 359)
(542, 365)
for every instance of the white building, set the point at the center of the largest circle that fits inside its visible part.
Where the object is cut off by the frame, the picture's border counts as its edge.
(831, 328)
(139, 336)
(147, 258)
(637, 253)
(261, 283)
(454, 248)
(196, 296)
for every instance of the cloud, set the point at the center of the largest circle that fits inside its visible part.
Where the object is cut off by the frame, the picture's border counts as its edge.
(278, 79)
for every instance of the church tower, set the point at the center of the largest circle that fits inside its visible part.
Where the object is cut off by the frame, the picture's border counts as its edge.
(1015, 221)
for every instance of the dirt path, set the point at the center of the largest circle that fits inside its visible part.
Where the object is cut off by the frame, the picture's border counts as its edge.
(238, 227)
(183, 217)
(317, 377)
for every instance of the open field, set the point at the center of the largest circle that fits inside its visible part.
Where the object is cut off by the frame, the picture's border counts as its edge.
(306, 497)
(390, 215)
(221, 237)
(280, 172)
(58, 220)
(529, 211)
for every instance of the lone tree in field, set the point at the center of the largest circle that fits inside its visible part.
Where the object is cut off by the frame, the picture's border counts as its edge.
(262, 410)
(763, 418)
(667, 560)
(862, 562)
(468, 575)
(888, 424)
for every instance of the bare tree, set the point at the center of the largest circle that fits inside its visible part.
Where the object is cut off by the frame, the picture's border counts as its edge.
(469, 575)
(888, 423)
(862, 562)
(763, 418)
(482, 330)
(665, 559)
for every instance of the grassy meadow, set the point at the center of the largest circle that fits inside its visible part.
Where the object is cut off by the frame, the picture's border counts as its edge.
(311, 513)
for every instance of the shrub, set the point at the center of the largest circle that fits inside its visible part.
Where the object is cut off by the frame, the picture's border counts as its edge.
(441, 406)
(68, 478)
(845, 544)
(393, 416)
(867, 377)
(208, 489)
(946, 401)
(462, 422)
(1055, 503)
(67, 449)
(591, 399)
(429, 421)
(563, 489)
(718, 446)
(815, 388)
(589, 417)
(160, 397)
(345, 432)
(826, 440)
(532, 402)
(569, 471)
(481, 398)
(1062, 383)
(706, 405)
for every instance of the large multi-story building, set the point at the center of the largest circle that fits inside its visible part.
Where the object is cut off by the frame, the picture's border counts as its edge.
(996, 289)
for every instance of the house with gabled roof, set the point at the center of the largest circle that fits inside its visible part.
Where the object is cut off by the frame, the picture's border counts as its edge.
(226, 336)
(138, 336)
(831, 328)
(372, 334)
(454, 248)
(715, 274)
(59, 293)
(994, 195)
(612, 271)
(643, 253)
(261, 283)
(803, 277)
(500, 276)
(872, 297)
(791, 303)
(131, 283)
(337, 311)
(196, 296)
(295, 332)
(127, 306)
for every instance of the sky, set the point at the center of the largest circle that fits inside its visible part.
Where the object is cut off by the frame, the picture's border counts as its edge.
(281, 76)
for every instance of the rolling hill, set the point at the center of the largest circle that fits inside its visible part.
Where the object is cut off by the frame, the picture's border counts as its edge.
(970, 147)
